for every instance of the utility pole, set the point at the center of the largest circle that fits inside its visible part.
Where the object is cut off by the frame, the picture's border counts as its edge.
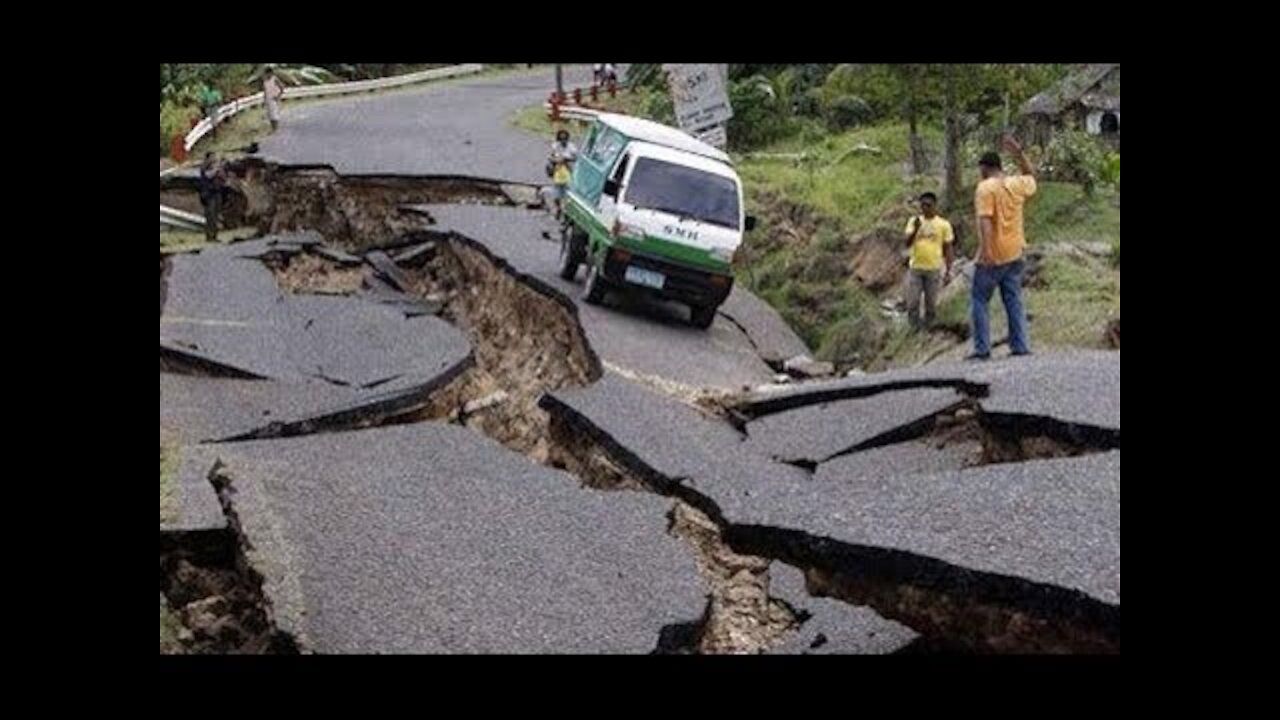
(559, 80)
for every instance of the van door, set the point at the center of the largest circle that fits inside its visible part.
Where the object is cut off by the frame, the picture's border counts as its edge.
(588, 176)
(609, 202)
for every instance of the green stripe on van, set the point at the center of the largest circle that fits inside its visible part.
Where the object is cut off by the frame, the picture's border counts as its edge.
(684, 254)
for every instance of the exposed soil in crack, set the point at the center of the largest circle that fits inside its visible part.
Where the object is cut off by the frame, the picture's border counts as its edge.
(750, 406)
(575, 453)
(981, 438)
(526, 339)
(953, 608)
(356, 212)
(305, 273)
(741, 616)
(215, 595)
(968, 623)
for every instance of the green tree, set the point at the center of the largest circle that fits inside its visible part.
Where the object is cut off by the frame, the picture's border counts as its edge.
(918, 99)
(970, 96)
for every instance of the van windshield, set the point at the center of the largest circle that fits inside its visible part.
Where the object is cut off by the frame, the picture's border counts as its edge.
(683, 191)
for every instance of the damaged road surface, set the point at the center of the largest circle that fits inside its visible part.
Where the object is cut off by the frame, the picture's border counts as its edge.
(644, 338)
(429, 538)
(391, 427)
(979, 533)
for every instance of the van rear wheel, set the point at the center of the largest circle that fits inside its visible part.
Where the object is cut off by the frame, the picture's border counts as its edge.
(572, 250)
(701, 316)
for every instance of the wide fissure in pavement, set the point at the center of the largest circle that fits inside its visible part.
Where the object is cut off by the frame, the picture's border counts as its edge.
(976, 438)
(215, 593)
(527, 341)
(953, 606)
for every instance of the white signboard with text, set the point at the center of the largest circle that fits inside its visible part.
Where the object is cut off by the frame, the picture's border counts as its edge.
(700, 96)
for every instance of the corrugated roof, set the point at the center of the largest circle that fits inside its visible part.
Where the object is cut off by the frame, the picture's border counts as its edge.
(1070, 89)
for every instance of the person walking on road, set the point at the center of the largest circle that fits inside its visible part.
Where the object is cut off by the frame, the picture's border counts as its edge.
(560, 167)
(272, 92)
(212, 185)
(999, 201)
(930, 238)
(209, 98)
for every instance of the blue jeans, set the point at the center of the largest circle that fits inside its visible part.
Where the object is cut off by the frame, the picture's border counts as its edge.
(985, 279)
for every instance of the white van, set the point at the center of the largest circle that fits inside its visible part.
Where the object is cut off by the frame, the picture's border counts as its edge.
(652, 208)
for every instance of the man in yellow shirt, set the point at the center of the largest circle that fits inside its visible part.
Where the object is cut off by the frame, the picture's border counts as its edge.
(999, 202)
(929, 236)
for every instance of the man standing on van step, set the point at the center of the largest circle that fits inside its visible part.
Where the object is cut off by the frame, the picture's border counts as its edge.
(999, 201)
(930, 238)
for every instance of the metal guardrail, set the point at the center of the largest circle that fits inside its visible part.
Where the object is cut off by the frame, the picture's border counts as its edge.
(180, 218)
(224, 112)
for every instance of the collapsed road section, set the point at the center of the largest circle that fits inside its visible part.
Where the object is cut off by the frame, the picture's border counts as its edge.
(901, 513)
(1021, 556)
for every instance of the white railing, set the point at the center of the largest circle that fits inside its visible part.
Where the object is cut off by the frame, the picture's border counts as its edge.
(304, 91)
(180, 218)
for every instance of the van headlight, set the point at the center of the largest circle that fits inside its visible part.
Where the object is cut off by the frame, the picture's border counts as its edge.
(632, 231)
(724, 255)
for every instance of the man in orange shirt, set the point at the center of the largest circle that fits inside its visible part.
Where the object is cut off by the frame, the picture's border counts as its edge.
(999, 202)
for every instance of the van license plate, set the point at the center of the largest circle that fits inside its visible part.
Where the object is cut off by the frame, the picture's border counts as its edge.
(647, 278)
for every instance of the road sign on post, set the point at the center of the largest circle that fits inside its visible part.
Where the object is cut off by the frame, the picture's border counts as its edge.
(699, 92)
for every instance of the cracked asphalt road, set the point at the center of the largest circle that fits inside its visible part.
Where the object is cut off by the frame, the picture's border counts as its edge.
(431, 538)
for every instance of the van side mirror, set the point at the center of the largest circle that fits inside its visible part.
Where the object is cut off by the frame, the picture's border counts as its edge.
(611, 188)
(749, 223)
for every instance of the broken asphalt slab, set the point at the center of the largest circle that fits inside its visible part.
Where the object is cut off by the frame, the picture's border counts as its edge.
(773, 339)
(818, 432)
(642, 336)
(230, 311)
(193, 505)
(1040, 537)
(199, 409)
(429, 538)
(665, 442)
(1080, 387)
(913, 457)
(833, 627)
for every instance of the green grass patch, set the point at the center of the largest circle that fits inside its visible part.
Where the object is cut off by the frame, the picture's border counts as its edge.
(170, 627)
(1082, 294)
(168, 466)
(854, 186)
(1060, 212)
(176, 241)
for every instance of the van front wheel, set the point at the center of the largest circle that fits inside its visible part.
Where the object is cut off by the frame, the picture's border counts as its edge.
(596, 286)
(572, 251)
(701, 316)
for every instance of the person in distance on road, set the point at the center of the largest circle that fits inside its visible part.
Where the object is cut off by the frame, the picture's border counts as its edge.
(559, 167)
